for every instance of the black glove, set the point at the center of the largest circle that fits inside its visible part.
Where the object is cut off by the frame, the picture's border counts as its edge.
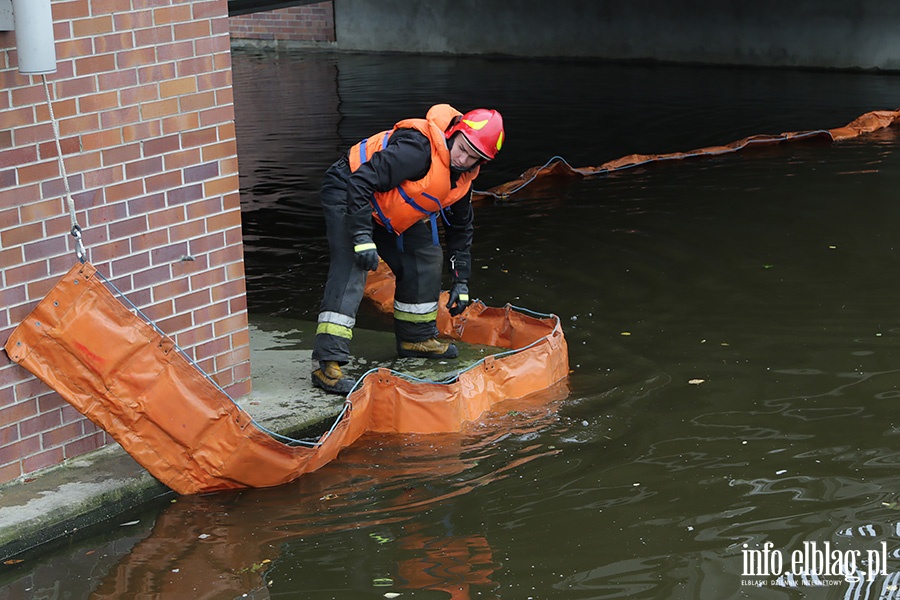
(459, 298)
(366, 254)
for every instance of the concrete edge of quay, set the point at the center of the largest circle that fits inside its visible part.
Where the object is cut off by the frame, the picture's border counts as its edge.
(47, 506)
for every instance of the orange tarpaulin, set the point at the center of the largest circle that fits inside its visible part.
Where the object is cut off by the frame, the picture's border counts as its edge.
(866, 123)
(132, 381)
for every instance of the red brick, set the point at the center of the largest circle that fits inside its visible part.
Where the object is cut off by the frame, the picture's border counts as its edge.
(175, 51)
(126, 228)
(169, 253)
(214, 116)
(182, 122)
(150, 240)
(156, 72)
(110, 251)
(154, 36)
(86, 444)
(99, 7)
(194, 65)
(21, 235)
(195, 335)
(100, 178)
(39, 172)
(172, 14)
(191, 301)
(208, 9)
(185, 193)
(146, 204)
(74, 88)
(17, 157)
(118, 117)
(117, 80)
(10, 472)
(39, 211)
(164, 181)
(81, 124)
(130, 264)
(134, 19)
(42, 460)
(28, 95)
(198, 101)
(107, 138)
(200, 137)
(212, 81)
(18, 412)
(203, 208)
(40, 423)
(94, 64)
(143, 168)
(177, 87)
(159, 108)
(61, 435)
(193, 30)
(122, 153)
(136, 58)
(184, 158)
(114, 42)
(162, 145)
(68, 11)
(17, 450)
(43, 249)
(98, 102)
(125, 190)
(139, 94)
(175, 323)
(148, 132)
(230, 324)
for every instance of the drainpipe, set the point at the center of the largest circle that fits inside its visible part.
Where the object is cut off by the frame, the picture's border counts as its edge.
(35, 45)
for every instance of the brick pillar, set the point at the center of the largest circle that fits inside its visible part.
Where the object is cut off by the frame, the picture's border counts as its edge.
(307, 24)
(145, 107)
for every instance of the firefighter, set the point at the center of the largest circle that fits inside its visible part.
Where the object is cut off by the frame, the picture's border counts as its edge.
(382, 201)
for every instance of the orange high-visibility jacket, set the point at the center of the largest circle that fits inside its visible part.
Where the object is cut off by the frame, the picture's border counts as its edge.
(412, 201)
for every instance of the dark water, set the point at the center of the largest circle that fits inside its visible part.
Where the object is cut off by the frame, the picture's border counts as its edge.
(767, 278)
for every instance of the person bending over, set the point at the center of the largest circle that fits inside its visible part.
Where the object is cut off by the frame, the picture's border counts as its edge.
(383, 200)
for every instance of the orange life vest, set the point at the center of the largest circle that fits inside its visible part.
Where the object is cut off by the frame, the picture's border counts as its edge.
(413, 201)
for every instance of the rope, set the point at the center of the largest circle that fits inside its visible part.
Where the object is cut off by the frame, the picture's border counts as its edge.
(76, 228)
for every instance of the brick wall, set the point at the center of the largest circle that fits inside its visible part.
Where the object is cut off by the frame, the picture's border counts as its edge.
(308, 23)
(144, 102)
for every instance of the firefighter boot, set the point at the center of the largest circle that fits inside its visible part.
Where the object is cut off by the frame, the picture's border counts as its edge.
(330, 378)
(430, 348)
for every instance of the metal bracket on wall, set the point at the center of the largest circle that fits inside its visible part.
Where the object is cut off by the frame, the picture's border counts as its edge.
(6, 16)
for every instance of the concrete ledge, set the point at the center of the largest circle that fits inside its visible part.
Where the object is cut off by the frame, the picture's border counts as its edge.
(93, 488)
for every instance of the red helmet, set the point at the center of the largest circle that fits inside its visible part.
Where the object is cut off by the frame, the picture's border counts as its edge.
(483, 129)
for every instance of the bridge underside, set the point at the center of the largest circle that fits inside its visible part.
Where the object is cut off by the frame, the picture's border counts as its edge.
(829, 34)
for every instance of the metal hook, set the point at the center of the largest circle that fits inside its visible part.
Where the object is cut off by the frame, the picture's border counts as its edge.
(79, 246)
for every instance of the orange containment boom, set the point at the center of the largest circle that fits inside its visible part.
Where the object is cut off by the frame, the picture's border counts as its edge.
(131, 380)
(866, 123)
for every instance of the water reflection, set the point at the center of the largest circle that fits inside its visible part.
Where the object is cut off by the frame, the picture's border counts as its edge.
(362, 519)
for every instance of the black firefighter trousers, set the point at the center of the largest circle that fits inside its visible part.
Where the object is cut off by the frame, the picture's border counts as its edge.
(414, 257)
